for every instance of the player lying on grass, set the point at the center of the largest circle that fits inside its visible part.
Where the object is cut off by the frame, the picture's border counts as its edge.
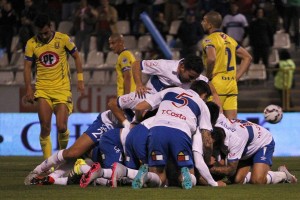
(249, 146)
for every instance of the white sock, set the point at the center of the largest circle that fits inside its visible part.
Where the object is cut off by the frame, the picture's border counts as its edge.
(61, 181)
(194, 180)
(106, 173)
(63, 169)
(102, 181)
(247, 178)
(53, 161)
(84, 168)
(153, 180)
(275, 177)
(131, 173)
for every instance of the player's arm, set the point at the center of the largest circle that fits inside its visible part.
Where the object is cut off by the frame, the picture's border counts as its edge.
(78, 64)
(207, 145)
(117, 111)
(127, 81)
(226, 170)
(210, 61)
(29, 97)
(140, 108)
(141, 90)
(245, 62)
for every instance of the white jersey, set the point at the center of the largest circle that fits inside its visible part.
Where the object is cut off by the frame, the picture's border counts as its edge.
(235, 25)
(181, 109)
(164, 74)
(243, 138)
(109, 119)
(200, 165)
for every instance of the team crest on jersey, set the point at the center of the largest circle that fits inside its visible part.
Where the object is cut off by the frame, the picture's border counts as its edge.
(182, 157)
(56, 45)
(223, 36)
(124, 60)
(207, 41)
(49, 59)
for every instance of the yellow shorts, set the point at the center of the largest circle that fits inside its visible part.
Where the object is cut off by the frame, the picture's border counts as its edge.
(54, 97)
(229, 102)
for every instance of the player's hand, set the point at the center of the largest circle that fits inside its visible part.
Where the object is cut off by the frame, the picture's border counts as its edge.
(141, 91)
(29, 97)
(80, 87)
(221, 184)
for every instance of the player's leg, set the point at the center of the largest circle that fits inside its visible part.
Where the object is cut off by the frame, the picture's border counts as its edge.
(230, 107)
(45, 114)
(61, 112)
(243, 168)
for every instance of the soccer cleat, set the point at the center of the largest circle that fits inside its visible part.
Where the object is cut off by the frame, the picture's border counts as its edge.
(29, 177)
(47, 180)
(75, 174)
(91, 175)
(118, 171)
(139, 179)
(289, 177)
(186, 178)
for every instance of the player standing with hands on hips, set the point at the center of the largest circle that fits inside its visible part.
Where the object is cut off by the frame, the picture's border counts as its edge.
(49, 49)
(219, 58)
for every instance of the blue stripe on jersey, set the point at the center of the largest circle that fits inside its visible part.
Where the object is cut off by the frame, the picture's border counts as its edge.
(237, 47)
(126, 68)
(73, 50)
(171, 96)
(141, 64)
(118, 104)
(250, 139)
(157, 84)
(28, 58)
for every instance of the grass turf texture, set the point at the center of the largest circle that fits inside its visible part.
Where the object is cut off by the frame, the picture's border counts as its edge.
(13, 170)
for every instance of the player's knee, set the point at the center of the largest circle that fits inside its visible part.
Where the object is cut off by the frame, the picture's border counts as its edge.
(45, 129)
(61, 127)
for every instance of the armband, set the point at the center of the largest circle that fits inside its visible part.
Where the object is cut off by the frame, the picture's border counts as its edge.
(80, 76)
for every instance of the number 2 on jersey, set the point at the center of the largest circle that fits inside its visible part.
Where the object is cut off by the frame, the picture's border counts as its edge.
(228, 52)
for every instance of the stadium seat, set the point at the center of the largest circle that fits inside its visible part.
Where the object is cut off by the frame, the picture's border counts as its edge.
(274, 57)
(174, 27)
(111, 59)
(6, 77)
(94, 59)
(175, 54)
(3, 60)
(281, 41)
(93, 43)
(14, 43)
(72, 62)
(130, 42)
(123, 27)
(256, 72)
(137, 54)
(17, 59)
(65, 27)
(145, 43)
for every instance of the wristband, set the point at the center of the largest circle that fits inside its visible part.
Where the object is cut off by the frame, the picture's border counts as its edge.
(80, 76)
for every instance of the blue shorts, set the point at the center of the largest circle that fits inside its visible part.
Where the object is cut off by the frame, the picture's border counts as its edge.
(110, 148)
(263, 155)
(165, 142)
(96, 129)
(136, 147)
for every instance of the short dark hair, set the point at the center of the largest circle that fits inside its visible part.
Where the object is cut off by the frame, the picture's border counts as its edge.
(201, 87)
(214, 110)
(193, 62)
(42, 20)
(218, 135)
(214, 18)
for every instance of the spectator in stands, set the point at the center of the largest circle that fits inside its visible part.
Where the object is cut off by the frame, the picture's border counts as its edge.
(30, 10)
(235, 24)
(8, 19)
(284, 78)
(26, 32)
(292, 16)
(172, 10)
(84, 26)
(261, 37)
(190, 33)
(106, 24)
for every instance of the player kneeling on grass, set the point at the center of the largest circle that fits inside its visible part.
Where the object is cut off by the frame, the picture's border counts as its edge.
(250, 146)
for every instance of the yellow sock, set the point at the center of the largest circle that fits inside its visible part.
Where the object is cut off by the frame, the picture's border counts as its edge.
(63, 139)
(46, 146)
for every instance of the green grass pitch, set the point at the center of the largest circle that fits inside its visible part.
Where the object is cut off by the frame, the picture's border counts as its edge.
(13, 170)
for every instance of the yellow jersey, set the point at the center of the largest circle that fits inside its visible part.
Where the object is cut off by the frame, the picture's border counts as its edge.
(125, 59)
(53, 71)
(225, 47)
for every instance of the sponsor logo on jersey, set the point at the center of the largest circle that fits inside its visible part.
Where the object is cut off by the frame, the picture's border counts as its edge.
(173, 114)
(156, 156)
(207, 41)
(49, 59)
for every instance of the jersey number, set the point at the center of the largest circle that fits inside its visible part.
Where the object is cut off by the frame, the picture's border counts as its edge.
(183, 97)
(228, 52)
